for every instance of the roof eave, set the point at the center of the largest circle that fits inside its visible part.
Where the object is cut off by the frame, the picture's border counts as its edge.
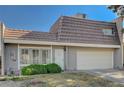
(17, 41)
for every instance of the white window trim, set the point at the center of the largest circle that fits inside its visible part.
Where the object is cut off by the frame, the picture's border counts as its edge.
(22, 65)
(38, 56)
(106, 34)
(39, 48)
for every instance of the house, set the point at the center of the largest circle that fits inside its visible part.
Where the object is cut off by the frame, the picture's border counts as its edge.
(73, 42)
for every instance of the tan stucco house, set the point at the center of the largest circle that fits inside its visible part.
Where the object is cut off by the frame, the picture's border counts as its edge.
(73, 42)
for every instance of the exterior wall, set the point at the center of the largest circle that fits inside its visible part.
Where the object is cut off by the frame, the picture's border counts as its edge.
(118, 58)
(118, 54)
(2, 48)
(11, 58)
(11, 55)
(123, 55)
(0, 37)
(70, 55)
(71, 58)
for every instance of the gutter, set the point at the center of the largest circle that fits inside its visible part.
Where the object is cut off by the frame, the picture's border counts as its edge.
(16, 41)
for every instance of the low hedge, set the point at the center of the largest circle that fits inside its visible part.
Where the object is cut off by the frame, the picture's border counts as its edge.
(53, 68)
(34, 69)
(41, 69)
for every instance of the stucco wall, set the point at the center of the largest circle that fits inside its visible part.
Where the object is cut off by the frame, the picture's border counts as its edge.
(11, 58)
(118, 54)
(123, 54)
(2, 29)
(11, 63)
(71, 58)
(70, 55)
(118, 58)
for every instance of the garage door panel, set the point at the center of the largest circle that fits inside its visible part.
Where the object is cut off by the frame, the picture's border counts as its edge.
(94, 60)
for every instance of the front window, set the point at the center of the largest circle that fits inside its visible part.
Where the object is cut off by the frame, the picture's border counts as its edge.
(24, 56)
(45, 56)
(34, 56)
(108, 32)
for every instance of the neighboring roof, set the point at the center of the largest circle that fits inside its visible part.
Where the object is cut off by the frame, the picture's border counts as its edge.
(70, 30)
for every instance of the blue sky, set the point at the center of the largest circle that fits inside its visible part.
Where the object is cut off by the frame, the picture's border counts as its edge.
(40, 18)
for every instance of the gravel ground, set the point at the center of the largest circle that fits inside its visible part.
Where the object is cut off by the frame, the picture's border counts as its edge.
(78, 79)
(10, 83)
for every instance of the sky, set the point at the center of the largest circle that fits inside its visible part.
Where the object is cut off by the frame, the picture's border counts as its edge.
(41, 18)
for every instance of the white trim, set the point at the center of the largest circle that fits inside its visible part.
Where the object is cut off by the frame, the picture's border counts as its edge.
(21, 47)
(59, 43)
(40, 60)
(22, 65)
(18, 57)
(2, 49)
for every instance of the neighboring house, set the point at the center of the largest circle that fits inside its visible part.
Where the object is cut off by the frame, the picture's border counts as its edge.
(74, 43)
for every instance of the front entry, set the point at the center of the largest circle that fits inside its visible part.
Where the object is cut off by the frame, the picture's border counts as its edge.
(59, 57)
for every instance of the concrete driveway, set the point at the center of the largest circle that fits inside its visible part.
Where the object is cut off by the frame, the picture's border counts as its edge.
(110, 74)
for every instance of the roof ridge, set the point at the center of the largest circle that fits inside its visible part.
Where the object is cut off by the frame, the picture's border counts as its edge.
(17, 29)
(25, 30)
(89, 19)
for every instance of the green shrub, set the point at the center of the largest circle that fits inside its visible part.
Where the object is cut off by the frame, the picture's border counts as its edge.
(53, 68)
(34, 69)
(41, 69)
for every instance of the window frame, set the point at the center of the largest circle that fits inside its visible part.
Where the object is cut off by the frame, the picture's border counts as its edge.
(104, 30)
(31, 54)
(28, 58)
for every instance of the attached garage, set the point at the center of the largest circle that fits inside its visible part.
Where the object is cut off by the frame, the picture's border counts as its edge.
(91, 58)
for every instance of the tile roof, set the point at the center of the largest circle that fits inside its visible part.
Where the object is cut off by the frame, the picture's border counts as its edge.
(30, 35)
(70, 30)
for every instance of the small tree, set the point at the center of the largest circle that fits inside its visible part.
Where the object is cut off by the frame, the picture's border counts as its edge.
(118, 9)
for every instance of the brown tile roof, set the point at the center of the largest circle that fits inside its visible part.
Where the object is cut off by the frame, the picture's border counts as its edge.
(85, 31)
(31, 35)
(69, 29)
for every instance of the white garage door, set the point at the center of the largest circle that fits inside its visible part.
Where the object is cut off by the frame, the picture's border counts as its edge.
(90, 59)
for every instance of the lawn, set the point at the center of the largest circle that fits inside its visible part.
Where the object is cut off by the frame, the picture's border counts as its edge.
(79, 79)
